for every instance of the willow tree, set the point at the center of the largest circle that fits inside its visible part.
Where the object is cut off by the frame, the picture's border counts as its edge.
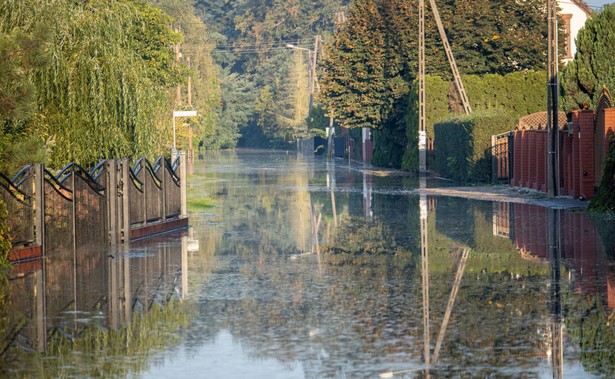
(103, 90)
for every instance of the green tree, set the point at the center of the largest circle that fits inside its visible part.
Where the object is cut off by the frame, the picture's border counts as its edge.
(104, 82)
(353, 68)
(593, 65)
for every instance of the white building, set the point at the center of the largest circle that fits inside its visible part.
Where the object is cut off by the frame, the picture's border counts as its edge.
(574, 13)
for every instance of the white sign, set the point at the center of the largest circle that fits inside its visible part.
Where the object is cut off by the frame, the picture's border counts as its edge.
(184, 113)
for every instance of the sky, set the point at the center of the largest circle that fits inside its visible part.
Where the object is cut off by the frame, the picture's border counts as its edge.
(598, 3)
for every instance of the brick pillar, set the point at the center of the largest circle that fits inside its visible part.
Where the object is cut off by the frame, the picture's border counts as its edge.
(525, 175)
(565, 169)
(586, 151)
(541, 160)
(516, 174)
(609, 128)
(532, 158)
(576, 174)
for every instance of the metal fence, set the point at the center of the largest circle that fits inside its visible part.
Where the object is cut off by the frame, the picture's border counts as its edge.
(501, 157)
(76, 207)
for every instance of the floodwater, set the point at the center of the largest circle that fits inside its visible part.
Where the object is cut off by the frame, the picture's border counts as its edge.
(304, 268)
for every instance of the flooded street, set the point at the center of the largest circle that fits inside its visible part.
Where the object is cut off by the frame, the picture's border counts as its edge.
(307, 268)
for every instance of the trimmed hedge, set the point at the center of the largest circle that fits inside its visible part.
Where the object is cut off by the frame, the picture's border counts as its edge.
(516, 94)
(463, 145)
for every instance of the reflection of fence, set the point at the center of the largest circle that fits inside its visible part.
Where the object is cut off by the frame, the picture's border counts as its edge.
(108, 204)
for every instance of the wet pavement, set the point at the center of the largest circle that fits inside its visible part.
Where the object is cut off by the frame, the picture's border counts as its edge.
(307, 268)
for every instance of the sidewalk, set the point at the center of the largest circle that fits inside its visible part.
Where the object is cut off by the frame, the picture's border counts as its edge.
(506, 193)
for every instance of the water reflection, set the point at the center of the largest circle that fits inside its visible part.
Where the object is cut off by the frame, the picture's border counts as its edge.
(320, 269)
(78, 312)
(475, 296)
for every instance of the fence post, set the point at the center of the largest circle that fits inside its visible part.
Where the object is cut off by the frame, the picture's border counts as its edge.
(182, 181)
(112, 203)
(39, 205)
(494, 160)
(145, 190)
(164, 175)
(125, 200)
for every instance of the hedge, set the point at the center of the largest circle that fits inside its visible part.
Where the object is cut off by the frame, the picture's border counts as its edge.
(517, 94)
(463, 144)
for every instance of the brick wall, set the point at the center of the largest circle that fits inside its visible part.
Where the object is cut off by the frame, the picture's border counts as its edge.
(577, 159)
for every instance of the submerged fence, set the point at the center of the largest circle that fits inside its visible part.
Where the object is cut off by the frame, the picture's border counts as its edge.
(76, 207)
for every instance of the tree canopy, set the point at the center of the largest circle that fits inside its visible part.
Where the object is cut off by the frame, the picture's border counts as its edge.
(496, 37)
(593, 65)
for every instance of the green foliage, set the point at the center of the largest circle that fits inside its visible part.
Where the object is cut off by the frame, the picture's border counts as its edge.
(104, 78)
(237, 110)
(353, 77)
(515, 94)
(5, 239)
(593, 65)
(604, 202)
(251, 36)
(463, 150)
(206, 78)
(390, 141)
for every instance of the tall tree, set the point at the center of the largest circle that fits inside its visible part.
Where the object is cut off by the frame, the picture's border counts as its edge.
(593, 65)
(102, 92)
(353, 68)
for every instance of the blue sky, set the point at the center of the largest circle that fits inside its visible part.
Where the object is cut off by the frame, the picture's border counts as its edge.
(598, 3)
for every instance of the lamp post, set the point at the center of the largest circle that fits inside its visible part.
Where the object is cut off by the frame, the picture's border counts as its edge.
(175, 115)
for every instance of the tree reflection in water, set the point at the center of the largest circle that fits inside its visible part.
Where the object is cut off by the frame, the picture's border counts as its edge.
(328, 268)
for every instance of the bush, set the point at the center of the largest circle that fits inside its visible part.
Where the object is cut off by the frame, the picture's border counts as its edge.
(604, 202)
(463, 144)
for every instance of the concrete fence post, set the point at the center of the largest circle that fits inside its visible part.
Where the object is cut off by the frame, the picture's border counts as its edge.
(182, 181)
(125, 186)
(39, 205)
(112, 202)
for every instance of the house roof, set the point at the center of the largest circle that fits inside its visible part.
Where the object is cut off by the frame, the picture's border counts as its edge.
(581, 4)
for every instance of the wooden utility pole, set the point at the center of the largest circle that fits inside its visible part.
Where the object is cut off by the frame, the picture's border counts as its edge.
(552, 106)
(456, 77)
(451, 59)
(422, 131)
(178, 90)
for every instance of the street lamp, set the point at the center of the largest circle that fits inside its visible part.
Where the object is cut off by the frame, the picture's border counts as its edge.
(180, 114)
(312, 55)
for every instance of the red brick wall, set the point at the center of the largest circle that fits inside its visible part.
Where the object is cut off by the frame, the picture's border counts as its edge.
(517, 169)
(532, 159)
(586, 153)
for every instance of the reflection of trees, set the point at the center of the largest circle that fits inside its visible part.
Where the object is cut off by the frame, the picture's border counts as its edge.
(590, 327)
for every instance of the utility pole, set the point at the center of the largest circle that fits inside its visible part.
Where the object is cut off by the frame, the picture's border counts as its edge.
(451, 59)
(422, 131)
(178, 90)
(552, 106)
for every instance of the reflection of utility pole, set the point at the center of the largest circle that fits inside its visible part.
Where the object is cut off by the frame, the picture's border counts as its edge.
(421, 83)
(552, 106)
(451, 301)
(425, 271)
(555, 258)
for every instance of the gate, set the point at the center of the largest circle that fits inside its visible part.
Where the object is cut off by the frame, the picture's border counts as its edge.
(501, 157)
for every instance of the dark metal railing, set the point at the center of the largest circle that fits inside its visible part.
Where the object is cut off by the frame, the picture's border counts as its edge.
(79, 207)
